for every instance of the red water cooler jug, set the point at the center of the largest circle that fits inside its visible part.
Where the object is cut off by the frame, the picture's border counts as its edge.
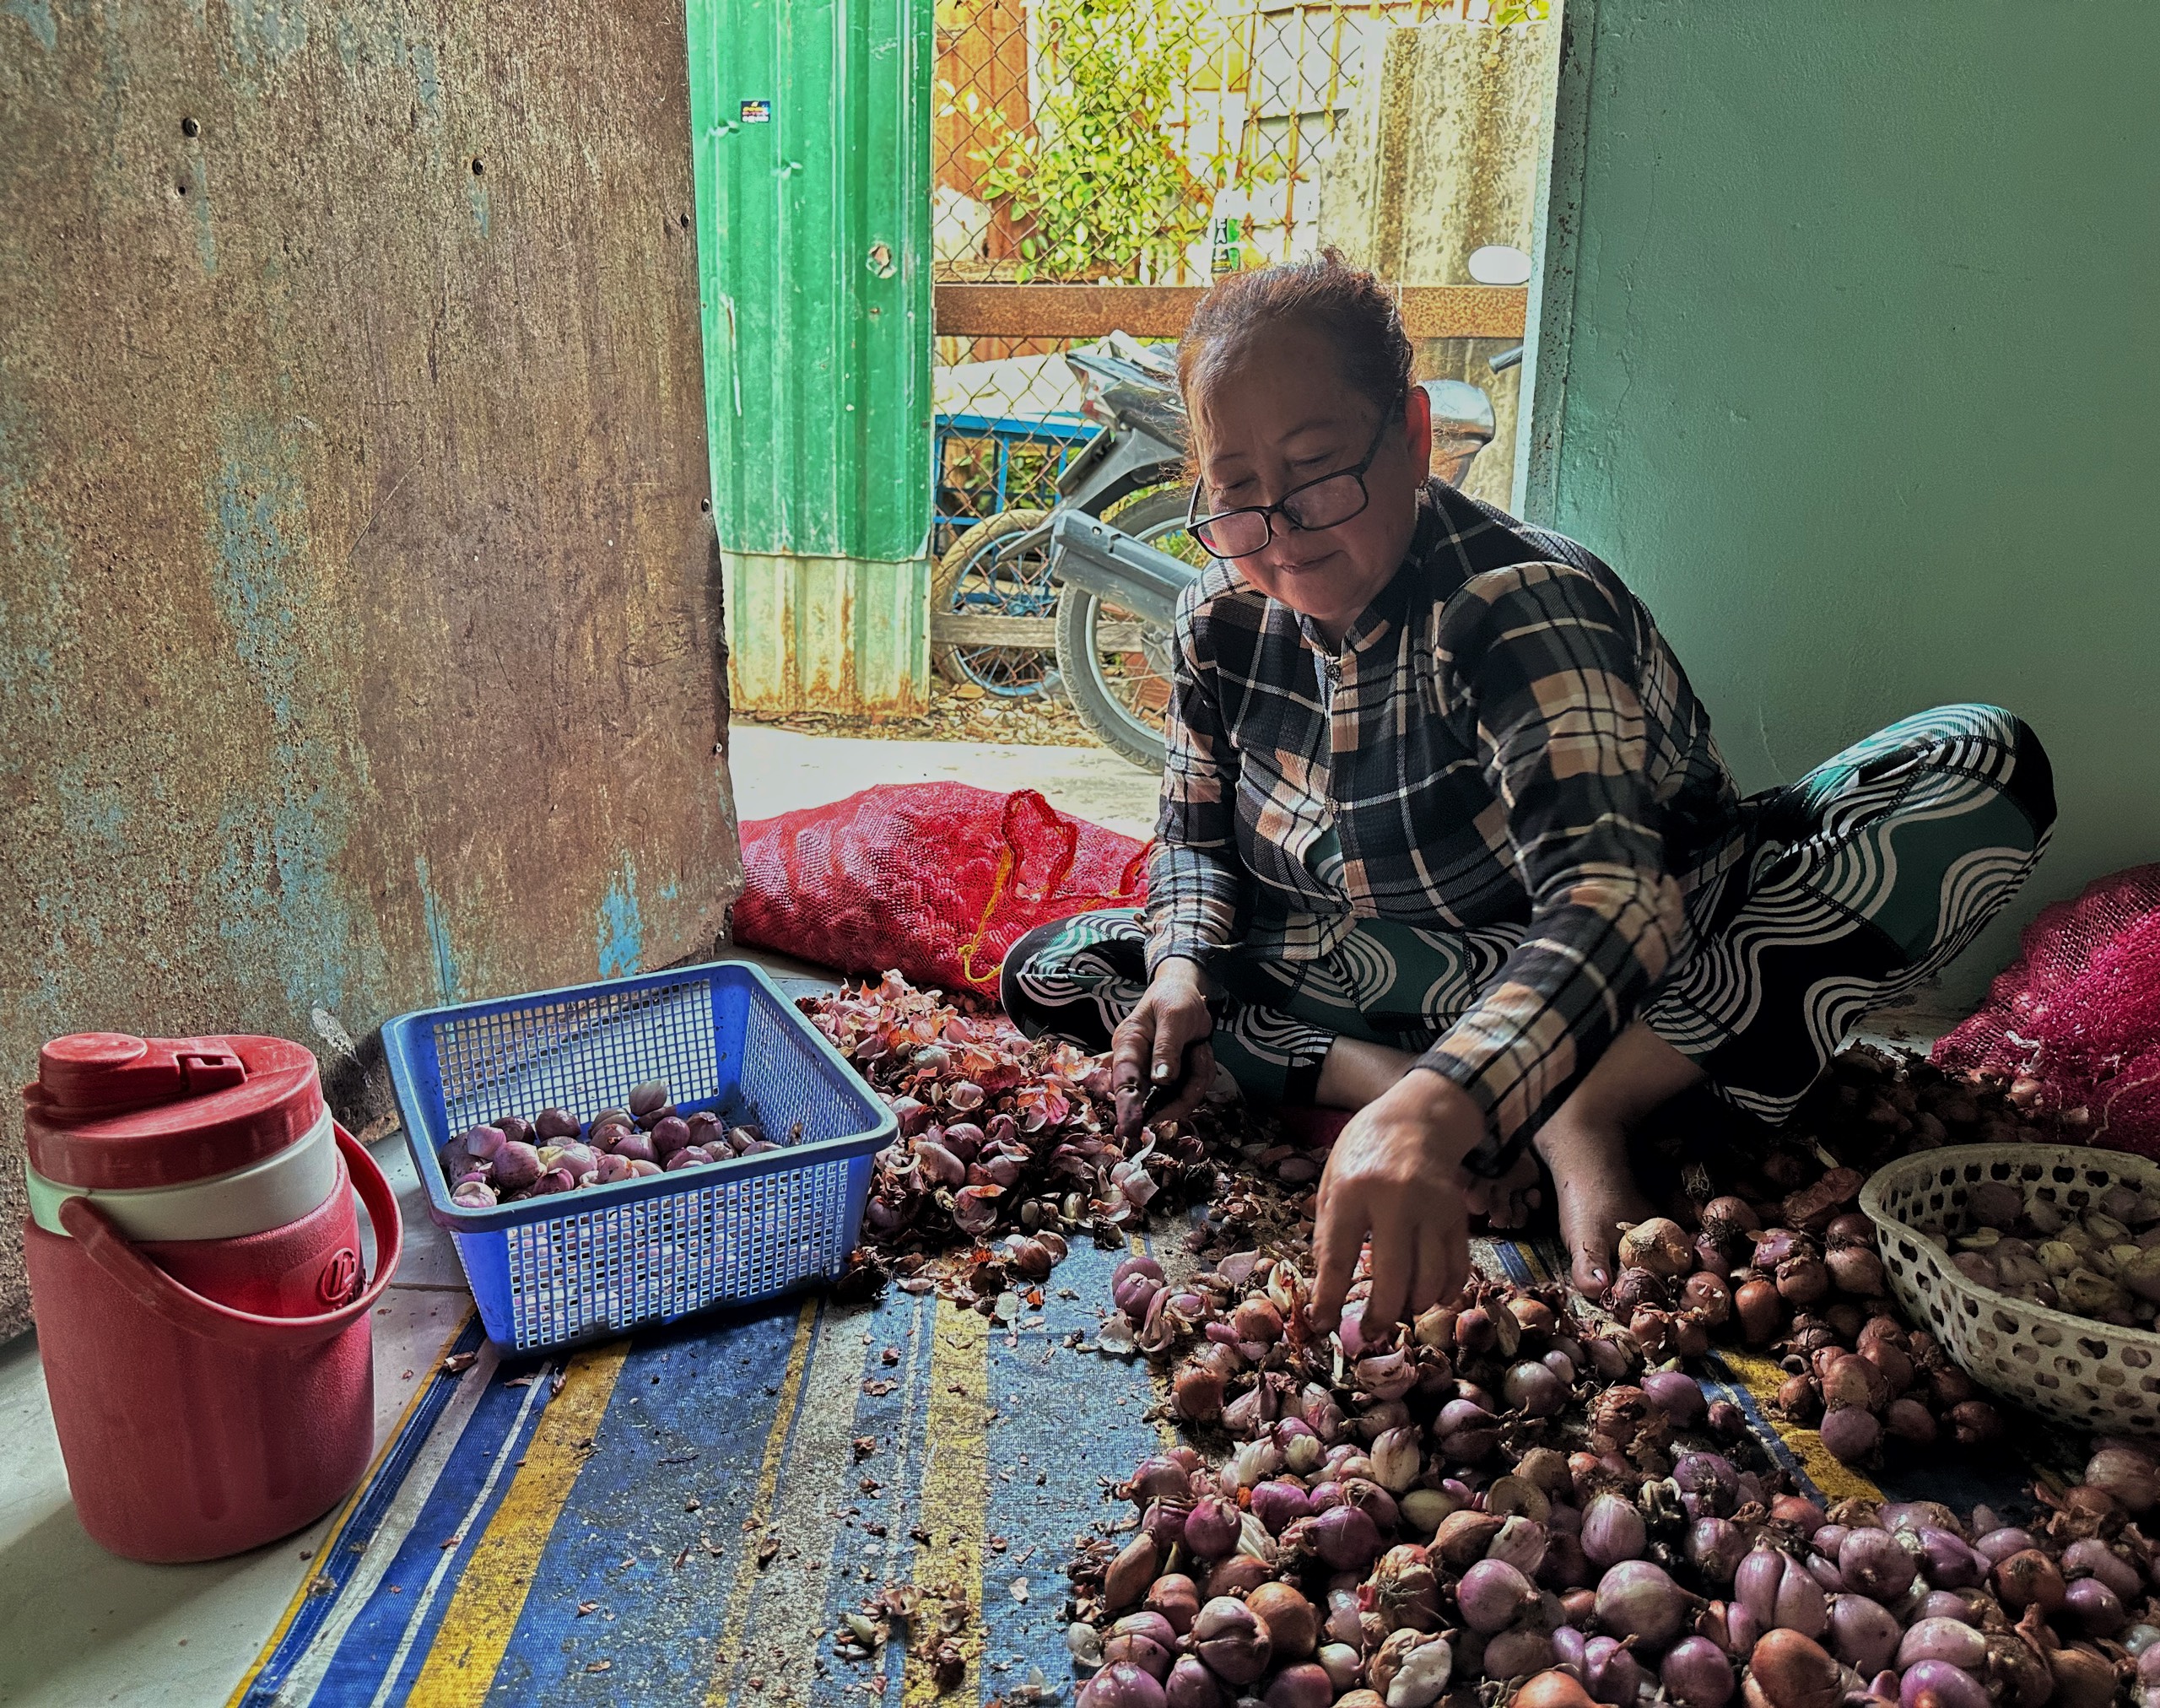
(196, 1274)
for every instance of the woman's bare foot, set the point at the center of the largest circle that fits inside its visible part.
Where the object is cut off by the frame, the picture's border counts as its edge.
(1509, 1201)
(1598, 1192)
(1586, 1146)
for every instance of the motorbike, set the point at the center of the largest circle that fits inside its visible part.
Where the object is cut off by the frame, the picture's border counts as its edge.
(1113, 635)
(997, 579)
(1115, 549)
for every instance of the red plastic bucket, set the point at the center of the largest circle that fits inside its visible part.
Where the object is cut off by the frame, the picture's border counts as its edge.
(204, 1327)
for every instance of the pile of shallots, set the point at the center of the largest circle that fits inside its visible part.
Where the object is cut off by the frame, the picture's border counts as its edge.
(511, 1158)
(1874, 1105)
(1813, 1292)
(1001, 1136)
(1813, 1288)
(1486, 1508)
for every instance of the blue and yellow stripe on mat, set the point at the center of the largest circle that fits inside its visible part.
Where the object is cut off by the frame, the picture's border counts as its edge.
(684, 1517)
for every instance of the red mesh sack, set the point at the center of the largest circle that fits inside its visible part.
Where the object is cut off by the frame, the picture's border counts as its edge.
(935, 880)
(2078, 1015)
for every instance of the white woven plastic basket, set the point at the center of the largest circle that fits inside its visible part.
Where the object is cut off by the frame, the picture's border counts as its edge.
(2085, 1373)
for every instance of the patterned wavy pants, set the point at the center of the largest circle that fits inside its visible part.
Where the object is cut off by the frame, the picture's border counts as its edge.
(1861, 882)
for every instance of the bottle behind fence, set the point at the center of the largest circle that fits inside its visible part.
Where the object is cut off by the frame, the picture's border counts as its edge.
(1225, 248)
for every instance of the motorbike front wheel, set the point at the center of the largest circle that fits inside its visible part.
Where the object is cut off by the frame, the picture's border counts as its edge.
(1117, 668)
(994, 570)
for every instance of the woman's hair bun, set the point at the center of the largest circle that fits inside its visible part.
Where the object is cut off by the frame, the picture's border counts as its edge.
(1351, 305)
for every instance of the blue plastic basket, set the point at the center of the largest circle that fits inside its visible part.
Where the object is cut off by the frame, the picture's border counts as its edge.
(578, 1266)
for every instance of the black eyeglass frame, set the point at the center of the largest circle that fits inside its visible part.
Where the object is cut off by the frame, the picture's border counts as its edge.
(1194, 523)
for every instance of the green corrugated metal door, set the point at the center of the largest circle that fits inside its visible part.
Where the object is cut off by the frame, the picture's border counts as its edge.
(812, 127)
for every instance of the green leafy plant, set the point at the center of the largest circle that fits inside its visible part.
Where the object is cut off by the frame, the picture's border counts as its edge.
(1100, 188)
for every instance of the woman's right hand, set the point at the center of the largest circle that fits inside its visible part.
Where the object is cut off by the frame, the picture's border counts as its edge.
(1149, 1049)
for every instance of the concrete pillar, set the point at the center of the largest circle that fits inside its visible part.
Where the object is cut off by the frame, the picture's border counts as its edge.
(1437, 158)
(359, 620)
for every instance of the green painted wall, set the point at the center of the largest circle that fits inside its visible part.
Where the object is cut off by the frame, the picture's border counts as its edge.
(810, 123)
(1851, 357)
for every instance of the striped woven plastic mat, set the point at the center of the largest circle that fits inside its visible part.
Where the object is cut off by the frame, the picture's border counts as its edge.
(686, 1516)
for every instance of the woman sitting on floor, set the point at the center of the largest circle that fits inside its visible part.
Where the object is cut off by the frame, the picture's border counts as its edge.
(1444, 839)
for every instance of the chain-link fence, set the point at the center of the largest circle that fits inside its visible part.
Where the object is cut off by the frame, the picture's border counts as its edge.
(1156, 142)
(1137, 144)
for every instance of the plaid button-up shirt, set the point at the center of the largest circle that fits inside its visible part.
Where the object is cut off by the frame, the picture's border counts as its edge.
(1503, 736)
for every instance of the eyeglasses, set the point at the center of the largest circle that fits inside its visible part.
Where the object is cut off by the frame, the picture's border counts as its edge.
(1327, 502)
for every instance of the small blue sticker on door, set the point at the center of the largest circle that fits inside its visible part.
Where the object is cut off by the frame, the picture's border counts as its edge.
(757, 112)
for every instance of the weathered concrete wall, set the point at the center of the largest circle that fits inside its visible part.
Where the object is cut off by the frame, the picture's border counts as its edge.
(360, 635)
(1438, 158)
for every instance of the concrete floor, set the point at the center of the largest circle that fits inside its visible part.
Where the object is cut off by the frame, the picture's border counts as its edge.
(776, 770)
(79, 1627)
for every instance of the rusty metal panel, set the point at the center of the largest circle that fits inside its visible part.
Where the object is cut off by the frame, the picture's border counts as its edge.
(1161, 311)
(360, 626)
(827, 634)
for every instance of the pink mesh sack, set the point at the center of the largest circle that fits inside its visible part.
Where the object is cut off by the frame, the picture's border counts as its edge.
(2077, 1017)
(934, 880)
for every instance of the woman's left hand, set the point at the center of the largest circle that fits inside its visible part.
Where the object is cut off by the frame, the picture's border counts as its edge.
(1396, 1174)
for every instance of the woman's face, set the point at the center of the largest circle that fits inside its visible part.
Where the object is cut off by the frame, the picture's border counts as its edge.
(1284, 415)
